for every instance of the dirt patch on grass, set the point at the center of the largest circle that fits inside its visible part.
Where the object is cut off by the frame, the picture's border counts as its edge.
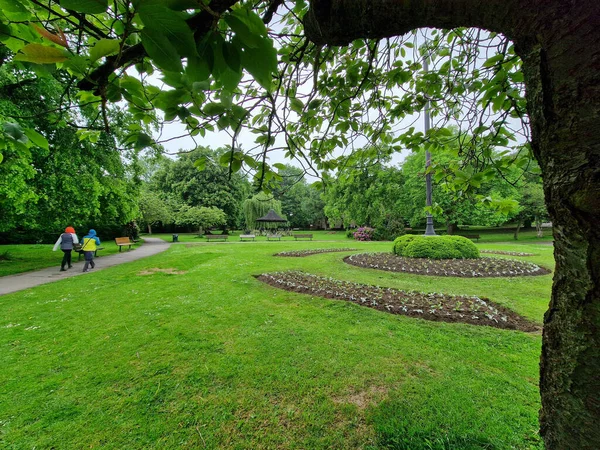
(429, 306)
(467, 268)
(363, 399)
(169, 271)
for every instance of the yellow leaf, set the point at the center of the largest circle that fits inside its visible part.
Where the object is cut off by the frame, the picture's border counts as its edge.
(41, 54)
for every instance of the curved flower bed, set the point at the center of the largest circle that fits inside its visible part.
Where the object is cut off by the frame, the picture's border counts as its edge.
(469, 268)
(501, 252)
(430, 306)
(314, 251)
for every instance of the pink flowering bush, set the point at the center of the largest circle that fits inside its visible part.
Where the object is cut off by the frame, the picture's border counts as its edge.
(364, 234)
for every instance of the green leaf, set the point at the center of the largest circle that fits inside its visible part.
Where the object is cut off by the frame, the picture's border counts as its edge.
(133, 86)
(160, 49)
(41, 54)
(181, 5)
(104, 47)
(158, 17)
(197, 69)
(85, 6)
(261, 63)
(199, 86)
(77, 64)
(139, 140)
(230, 79)
(213, 109)
(36, 138)
(242, 31)
(14, 10)
(493, 60)
(232, 56)
(200, 163)
(236, 165)
(15, 132)
(5, 32)
(296, 105)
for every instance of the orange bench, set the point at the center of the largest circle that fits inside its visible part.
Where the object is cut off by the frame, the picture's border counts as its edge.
(122, 241)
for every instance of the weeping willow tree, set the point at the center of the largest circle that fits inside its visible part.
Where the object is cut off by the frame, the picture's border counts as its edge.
(258, 206)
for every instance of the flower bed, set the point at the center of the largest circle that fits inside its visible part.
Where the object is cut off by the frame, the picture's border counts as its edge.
(470, 268)
(430, 306)
(314, 251)
(501, 252)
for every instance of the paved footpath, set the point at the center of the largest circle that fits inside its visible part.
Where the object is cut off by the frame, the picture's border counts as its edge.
(13, 283)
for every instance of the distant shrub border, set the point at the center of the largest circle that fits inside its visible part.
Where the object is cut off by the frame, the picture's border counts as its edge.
(435, 247)
(467, 268)
(429, 306)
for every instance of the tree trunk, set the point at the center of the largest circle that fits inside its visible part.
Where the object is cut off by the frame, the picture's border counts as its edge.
(451, 228)
(559, 42)
(516, 236)
(538, 228)
(563, 80)
(149, 229)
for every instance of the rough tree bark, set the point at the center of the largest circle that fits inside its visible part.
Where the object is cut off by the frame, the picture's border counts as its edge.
(559, 43)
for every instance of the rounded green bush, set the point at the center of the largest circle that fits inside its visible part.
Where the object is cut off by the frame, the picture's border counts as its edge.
(435, 247)
(401, 242)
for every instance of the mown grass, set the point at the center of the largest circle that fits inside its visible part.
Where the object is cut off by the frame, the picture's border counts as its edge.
(27, 257)
(212, 358)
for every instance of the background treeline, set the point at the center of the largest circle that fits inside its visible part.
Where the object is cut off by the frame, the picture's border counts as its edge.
(79, 174)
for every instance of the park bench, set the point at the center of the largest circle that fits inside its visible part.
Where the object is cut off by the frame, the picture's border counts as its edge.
(77, 249)
(216, 237)
(273, 237)
(123, 241)
(471, 236)
(247, 237)
(303, 236)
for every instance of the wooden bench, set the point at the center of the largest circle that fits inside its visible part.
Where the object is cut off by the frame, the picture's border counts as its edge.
(273, 237)
(471, 236)
(303, 236)
(247, 237)
(77, 249)
(123, 241)
(216, 237)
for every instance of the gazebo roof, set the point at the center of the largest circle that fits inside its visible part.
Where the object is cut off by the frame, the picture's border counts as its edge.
(271, 216)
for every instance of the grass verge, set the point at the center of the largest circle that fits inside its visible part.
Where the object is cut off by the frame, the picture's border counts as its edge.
(187, 349)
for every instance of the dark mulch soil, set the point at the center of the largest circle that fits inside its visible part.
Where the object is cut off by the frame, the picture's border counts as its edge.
(468, 268)
(502, 252)
(433, 306)
(314, 251)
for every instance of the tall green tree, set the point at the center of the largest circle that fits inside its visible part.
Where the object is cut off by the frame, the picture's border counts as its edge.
(449, 209)
(47, 183)
(367, 194)
(300, 202)
(198, 179)
(153, 209)
(258, 206)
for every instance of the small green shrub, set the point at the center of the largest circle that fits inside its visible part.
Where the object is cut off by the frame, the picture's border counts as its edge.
(401, 242)
(435, 247)
(465, 246)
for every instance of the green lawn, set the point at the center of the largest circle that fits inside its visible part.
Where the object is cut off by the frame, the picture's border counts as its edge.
(209, 357)
(24, 258)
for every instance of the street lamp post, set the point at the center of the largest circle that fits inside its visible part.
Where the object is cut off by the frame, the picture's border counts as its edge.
(429, 230)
